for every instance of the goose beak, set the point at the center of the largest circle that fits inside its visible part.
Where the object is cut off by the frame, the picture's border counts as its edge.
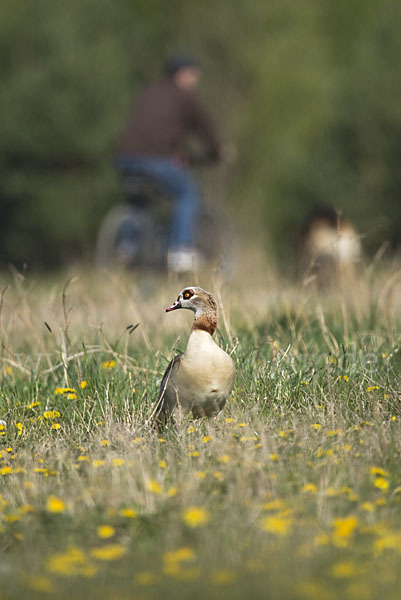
(177, 304)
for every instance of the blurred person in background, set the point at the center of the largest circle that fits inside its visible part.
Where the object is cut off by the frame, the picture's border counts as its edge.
(332, 247)
(164, 117)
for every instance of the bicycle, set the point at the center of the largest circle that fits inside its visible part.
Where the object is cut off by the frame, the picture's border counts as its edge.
(135, 234)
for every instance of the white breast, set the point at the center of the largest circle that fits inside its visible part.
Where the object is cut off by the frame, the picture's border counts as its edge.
(204, 377)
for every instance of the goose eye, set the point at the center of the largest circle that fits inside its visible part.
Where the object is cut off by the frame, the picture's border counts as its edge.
(187, 294)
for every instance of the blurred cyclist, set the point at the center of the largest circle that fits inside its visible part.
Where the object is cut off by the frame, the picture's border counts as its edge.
(154, 143)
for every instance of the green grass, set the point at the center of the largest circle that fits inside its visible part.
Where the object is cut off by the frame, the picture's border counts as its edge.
(293, 491)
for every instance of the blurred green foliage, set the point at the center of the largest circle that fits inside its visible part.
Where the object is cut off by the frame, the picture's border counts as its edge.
(308, 91)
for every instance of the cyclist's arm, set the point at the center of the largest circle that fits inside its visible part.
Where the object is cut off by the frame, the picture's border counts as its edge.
(201, 124)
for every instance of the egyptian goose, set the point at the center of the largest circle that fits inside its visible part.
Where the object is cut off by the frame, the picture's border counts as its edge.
(201, 379)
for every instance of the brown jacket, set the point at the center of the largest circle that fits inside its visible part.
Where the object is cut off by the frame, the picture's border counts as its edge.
(162, 118)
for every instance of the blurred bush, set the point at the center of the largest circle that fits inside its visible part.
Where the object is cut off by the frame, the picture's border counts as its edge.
(309, 91)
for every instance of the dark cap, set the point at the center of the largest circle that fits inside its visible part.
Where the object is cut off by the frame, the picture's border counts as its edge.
(178, 62)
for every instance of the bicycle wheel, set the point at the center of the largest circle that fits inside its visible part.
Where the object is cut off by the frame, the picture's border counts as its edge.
(125, 238)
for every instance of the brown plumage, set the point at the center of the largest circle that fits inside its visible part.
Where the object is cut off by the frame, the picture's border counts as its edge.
(201, 379)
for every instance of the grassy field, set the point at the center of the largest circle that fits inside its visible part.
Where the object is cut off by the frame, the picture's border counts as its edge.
(293, 491)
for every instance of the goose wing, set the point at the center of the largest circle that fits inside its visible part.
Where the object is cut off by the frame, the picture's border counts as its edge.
(163, 404)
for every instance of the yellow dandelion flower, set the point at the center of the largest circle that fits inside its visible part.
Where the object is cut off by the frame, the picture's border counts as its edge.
(194, 453)
(181, 574)
(12, 518)
(206, 439)
(25, 509)
(174, 567)
(145, 578)
(309, 487)
(109, 364)
(195, 516)
(162, 464)
(67, 563)
(334, 432)
(344, 527)
(388, 540)
(218, 475)
(83, 384)
(273, 457)
(108, 552)
(40, 584)
(368, 506)
(225, 459)
(104, 442)
(96, 463)
(180, 555)
(277, 524)
(322, 539)
(344, 569)
(230, 420)
(171, 492)
(105, 531)
(316, 426)
(379, 471)
(118, 462)
(254, 566)
(276, 504)
(153, 486)
(370, 388)
(33, 404)
(137, 440)
(55, 505)
(20, 428)
(223, 576)
(56, 426)
(64, 390)
(51, 414)
(381, 483)
(128, 513)
(200, 474)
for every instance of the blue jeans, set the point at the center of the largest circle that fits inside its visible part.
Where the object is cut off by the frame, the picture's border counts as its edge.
(178, 183)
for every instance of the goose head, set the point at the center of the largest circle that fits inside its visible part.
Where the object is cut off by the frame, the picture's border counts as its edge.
(202, 304)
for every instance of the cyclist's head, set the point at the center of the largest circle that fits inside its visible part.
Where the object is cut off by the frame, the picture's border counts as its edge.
(184, 70)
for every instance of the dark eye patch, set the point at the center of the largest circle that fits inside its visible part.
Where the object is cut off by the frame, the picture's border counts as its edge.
(187, 294)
